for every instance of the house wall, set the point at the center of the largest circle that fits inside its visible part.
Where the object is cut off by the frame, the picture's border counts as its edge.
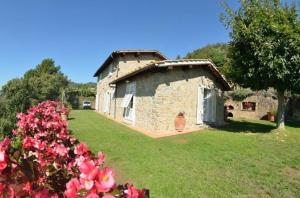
(161, 95)
(264, 104)
(120, 66)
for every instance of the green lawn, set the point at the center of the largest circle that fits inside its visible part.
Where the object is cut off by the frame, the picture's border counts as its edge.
(243, 159)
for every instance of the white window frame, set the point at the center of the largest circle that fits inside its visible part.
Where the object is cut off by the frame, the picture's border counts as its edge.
(130, 89)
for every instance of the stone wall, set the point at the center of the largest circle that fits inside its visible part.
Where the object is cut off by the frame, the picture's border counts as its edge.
(264, 104)
(120, 66)
(161, 95)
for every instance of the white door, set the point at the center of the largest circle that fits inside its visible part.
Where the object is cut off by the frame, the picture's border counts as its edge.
(106, 102)
(206, 110)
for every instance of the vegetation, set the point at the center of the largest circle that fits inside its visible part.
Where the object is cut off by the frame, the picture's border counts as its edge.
(240, 94)
(45, 82)
(243, 159)
(43, 160)
(77, 90)
(264, 47)
(216, 52)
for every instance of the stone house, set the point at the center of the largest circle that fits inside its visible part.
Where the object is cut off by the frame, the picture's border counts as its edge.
(145, 89)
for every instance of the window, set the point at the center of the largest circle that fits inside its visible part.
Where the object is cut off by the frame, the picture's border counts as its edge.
(100, 77)
(126, 100)
(248, 106)
(110, 70)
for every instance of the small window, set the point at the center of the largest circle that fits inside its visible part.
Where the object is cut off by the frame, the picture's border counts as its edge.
(110, 70)
(248, 106)
(100, 77)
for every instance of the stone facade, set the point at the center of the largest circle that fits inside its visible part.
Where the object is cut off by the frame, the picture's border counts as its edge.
(161, 95)
(118, 67)
(263, 104)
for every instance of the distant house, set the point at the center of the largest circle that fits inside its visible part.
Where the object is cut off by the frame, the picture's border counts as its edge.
(145, 89)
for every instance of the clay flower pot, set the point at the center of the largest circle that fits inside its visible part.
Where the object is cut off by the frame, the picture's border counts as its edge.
(179, 122)
(271, 117)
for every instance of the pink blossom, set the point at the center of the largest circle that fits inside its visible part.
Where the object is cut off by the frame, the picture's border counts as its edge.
(105, 180)
(42, 194)
(27, 187)
(88, 170)
(71, 188)
(132, 192)
(28, 142)
(101, 158)
(3, 163)
(92, 195)
(2, 187)
(61, 150)
(81, 149)
(108, 196)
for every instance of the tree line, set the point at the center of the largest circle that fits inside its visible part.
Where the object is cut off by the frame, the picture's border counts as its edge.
(44, 82)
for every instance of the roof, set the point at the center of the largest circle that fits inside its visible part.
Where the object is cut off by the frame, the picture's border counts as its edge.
(111, 57)
(181, 62)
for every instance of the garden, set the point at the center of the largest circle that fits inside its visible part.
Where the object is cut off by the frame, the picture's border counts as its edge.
(41, 159)
(246, 158)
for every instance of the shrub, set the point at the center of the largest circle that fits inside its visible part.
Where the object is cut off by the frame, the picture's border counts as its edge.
(43, 160)
(241, 94)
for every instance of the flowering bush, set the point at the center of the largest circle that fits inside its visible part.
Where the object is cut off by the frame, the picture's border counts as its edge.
(43, 160)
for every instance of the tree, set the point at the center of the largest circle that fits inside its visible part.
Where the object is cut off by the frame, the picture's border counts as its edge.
(45, 82)
(264, 47)
(216, 52)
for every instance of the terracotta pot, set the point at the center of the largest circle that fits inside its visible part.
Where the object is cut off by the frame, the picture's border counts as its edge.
(271, 117)
(179, 123)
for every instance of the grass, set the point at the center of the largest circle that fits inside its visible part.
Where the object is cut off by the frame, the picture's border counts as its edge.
(243, 159)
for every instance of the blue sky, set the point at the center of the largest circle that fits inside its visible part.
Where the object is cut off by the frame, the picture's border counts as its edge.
(79, 34)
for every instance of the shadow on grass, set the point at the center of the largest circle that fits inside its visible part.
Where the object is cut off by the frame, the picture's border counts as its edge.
(242, 126)
(295, 124)
(71, 118)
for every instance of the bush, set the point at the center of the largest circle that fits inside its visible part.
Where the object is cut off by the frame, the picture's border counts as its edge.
(43, 160)
(241, 94)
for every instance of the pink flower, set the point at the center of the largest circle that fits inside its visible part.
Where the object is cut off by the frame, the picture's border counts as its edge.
(101, 158)
(61, 150)
(92, 195)
(105, 180)
(11, 193)
(3, 163)
(2, 187)
(132, 192)
(71, 188)
(88, 170)
(42, 194)
(81, 149)
(28, 142)
(3, 159)
(108, 196)
(27, 187)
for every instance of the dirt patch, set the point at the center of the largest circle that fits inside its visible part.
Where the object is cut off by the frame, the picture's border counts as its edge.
(292, 173)
(181, 140)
